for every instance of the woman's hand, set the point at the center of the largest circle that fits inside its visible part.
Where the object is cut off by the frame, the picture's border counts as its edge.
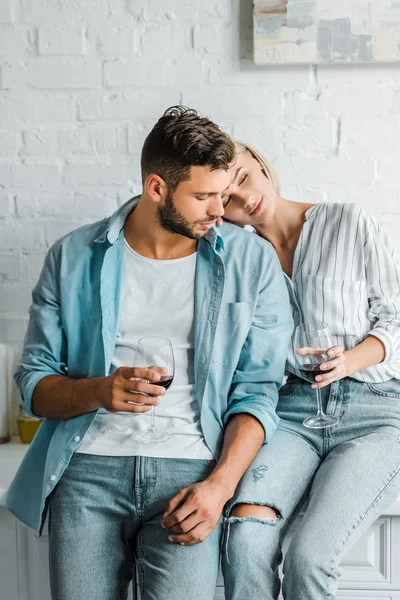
(337, 366)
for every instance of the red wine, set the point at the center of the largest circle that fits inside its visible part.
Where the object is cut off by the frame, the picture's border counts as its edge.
(165, 383)
(309, 368)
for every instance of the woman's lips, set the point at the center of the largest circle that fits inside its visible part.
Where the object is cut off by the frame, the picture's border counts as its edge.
(258, 207)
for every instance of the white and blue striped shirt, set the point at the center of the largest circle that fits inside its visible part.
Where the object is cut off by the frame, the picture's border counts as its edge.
(346, 274)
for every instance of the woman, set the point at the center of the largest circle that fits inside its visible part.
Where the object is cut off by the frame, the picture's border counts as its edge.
(340, 269)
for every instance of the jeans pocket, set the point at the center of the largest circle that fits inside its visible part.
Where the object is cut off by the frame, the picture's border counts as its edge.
(388, 389)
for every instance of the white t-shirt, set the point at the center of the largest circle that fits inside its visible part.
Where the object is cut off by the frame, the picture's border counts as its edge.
(157, 298)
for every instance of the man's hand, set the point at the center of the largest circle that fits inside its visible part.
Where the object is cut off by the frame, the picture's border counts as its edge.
(194, 512)
(130, 389)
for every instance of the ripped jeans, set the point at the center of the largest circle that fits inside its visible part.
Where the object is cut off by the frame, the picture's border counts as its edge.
(350, 473)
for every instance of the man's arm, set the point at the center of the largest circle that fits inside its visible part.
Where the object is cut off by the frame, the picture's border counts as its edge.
(41, 377)
(60, 397)
(193, 513)
(250, 419)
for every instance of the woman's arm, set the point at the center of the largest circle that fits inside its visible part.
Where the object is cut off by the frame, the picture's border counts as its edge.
(382, 344)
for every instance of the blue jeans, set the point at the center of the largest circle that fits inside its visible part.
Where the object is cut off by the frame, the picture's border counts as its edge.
(105, 517)
(350, 474)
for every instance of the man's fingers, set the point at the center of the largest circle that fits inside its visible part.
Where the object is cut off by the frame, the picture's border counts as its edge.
(131, 408)
(150, 373)
(195, 536)
(184, 525)
(174, 503)
(142, 387)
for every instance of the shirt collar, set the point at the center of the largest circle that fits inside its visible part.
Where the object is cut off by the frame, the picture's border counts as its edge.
(117, 221)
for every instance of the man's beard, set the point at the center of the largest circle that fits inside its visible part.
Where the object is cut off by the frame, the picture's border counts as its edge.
(173, 221)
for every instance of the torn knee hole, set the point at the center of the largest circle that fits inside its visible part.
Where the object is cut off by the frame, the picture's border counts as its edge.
(256, 511)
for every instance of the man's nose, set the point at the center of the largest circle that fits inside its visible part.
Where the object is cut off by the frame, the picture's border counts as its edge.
(216, 209)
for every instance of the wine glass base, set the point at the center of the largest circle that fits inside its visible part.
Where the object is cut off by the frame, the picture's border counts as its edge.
(151, 437)
(320, 422)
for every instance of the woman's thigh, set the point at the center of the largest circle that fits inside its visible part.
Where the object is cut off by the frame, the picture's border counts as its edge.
(352, 487)
(279, 475)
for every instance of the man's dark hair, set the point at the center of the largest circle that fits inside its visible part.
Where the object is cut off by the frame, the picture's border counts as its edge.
(180, 139)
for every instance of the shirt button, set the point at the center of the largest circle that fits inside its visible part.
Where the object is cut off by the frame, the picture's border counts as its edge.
(53, 478)
(77, 438)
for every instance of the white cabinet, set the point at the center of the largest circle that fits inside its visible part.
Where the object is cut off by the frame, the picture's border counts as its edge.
(370, 569)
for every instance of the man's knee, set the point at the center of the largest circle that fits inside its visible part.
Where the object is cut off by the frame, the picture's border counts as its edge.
(255, 511)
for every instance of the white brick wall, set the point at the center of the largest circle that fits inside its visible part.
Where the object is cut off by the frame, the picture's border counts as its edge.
(82, 81)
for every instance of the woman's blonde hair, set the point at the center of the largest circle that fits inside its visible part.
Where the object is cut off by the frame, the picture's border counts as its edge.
(266, 166)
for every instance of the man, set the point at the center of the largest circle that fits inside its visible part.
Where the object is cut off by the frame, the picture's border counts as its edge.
(156, 267)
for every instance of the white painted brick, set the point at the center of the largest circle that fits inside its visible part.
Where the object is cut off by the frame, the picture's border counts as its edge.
(38, 175)
(110, 140)
(138, 105)
(117, 40)
(319, 171)
(190, 11)
(34, 108)
(15, 298)
(31, 265)
(124, 73)
(5, 175)
(311, 140)
(21, 234)
(137, 133)
(13, 40)
(214, 39)
(87, 106)
(58, 229)
(10, 267)
(8, 143)
(61, 40)
(171, 40)
(90, 140)
(377, 135)
(48, 73)
(389, 172)
(79, 140)
(236, 103)
(91, 204)
(6, 203)
(377, 99)
(13, 329)
(71, 11)
(6, 11)
(99, 173)
(40, 142)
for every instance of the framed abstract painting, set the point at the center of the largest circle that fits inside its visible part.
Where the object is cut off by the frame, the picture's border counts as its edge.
(326, 31)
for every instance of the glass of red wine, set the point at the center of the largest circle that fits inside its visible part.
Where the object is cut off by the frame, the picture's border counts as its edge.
(312, 342)
(155, 352)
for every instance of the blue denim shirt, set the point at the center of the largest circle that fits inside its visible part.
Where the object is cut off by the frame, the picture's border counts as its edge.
(243, 324)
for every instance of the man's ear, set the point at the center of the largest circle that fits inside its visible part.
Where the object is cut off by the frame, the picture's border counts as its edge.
(156, 187)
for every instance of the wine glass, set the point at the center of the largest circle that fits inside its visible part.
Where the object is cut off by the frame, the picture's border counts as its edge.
(154, 352)
(313, 340)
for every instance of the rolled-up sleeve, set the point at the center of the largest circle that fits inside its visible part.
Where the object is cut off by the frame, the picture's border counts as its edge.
(383, 284)
(45, 348)
(260, 369)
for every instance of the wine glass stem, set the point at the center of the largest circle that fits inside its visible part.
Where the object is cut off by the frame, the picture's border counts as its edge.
(153, 418)
(319, 402)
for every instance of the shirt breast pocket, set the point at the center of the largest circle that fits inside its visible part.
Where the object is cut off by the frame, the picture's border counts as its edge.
(342, 304)
(234, 322)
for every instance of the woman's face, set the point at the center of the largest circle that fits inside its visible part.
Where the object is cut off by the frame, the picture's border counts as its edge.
(248, 199)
